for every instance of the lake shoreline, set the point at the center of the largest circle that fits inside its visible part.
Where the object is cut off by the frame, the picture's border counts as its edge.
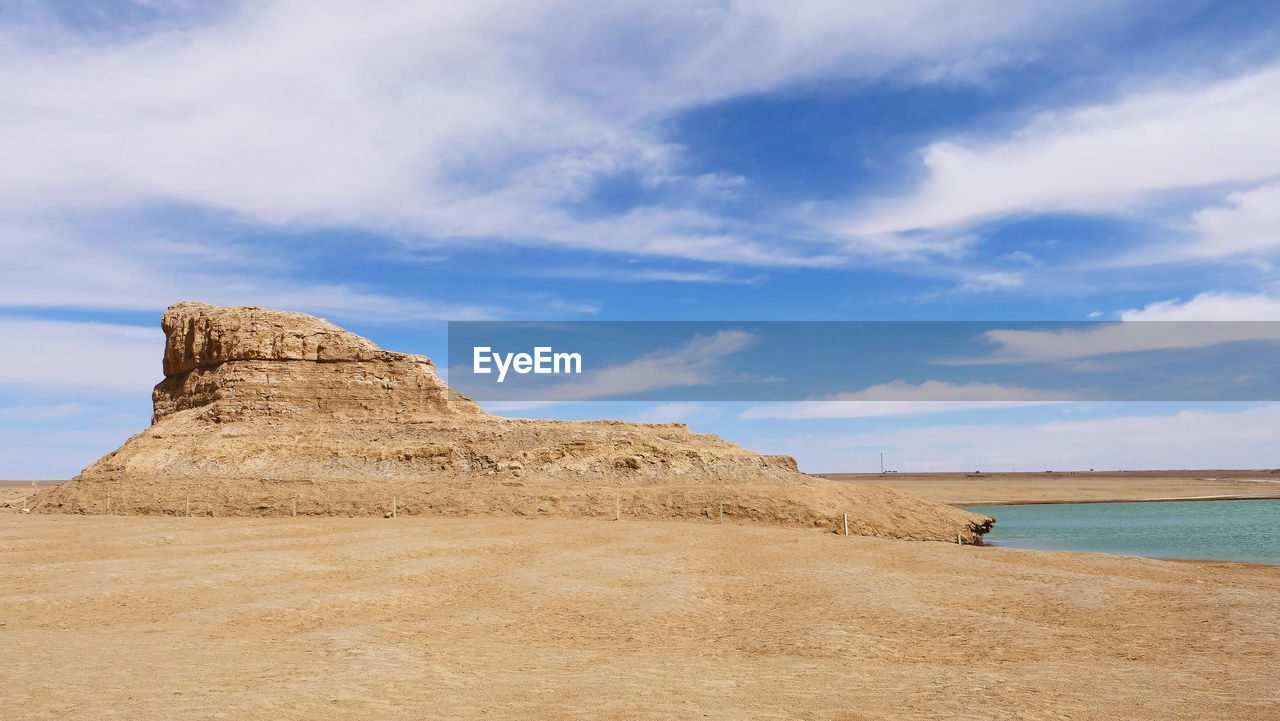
(1211, 562)
(1186, 530)
(1056, 502)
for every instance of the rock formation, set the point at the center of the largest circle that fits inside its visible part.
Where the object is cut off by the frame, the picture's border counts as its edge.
(270, 413)
(242, 363)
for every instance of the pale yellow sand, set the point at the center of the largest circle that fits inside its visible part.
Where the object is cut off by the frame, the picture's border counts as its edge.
(503, 618)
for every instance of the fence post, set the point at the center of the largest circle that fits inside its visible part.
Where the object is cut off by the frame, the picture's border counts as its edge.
(393, 506)
(846, 524)
(188, 506)
(617, 511)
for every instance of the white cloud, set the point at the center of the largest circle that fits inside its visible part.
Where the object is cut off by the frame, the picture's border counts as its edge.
(1249, 223)
(54, 267)
(1099, 158)
(452, 123)
(991, 281)
(1214, 306)
(57, 441)
(40, 414)
(59, 354)
(1187, 439)
(1244, 226)
(898, 398)
(1022, 257)
(624, 274)
(699, 361)
(678, 413)
(1019, 346)
(908, 247)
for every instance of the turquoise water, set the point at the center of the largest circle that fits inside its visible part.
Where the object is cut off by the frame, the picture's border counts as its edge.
(1201, 530)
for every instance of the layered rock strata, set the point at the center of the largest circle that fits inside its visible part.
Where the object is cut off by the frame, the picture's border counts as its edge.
(270, 413)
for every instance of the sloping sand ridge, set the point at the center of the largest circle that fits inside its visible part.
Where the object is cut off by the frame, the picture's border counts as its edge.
(269, 413)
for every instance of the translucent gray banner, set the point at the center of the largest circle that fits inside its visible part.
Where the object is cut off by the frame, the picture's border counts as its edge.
(861, 361)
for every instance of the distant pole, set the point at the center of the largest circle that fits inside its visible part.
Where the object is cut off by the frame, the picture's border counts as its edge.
(846, 524)
(188, 506)
(393, 506)
(881, 465)
(617, 510)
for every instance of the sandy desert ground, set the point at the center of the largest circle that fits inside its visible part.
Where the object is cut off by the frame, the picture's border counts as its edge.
(502, 618)
(1075, 487)
(1014, 488)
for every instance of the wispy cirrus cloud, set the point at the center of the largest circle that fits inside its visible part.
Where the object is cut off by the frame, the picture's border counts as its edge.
(992, 281)
(1099, 158)
(680, 413)
(699, 361)
(644, 274)
(458, 124)
(43, 413)
(1177, 328)
(61, 354)
(50, 266)
(899, 398)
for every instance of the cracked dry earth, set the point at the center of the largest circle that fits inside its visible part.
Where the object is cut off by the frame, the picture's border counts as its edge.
(503, 618)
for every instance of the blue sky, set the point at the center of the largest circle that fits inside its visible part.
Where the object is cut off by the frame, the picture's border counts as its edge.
(395, 165)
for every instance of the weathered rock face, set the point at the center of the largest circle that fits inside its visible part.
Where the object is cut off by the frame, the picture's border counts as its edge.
(265, 412)
(244, 362)
(201, 336)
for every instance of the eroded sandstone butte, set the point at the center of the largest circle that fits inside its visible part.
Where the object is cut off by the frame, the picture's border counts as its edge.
(270, 413)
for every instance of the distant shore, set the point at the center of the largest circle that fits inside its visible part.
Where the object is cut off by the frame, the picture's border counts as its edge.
(12, 493)
(1111, 500)
(27, 484)
(1011, 489)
